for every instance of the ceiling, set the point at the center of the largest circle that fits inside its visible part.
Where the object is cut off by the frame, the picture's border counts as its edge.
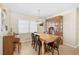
(46, 9)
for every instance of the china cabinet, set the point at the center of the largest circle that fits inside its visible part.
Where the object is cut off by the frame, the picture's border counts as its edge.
(55, 22)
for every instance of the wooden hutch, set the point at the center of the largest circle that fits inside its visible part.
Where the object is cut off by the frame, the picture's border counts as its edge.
(57, 23)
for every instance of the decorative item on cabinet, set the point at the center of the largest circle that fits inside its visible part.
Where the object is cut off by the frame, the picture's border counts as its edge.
(51, 30)
(6, 27)
(41, 24)
(3, 19)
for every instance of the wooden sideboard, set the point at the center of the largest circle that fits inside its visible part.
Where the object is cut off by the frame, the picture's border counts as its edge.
(9, 44)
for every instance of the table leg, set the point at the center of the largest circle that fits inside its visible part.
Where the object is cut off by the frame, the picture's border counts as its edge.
(42, 47)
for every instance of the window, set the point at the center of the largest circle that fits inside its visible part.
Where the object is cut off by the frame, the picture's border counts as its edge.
(25, 26)
(33, 26)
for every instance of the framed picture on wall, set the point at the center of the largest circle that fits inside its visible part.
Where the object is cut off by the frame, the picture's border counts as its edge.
(3, 18)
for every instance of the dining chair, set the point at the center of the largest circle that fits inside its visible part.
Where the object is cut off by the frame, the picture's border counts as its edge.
(17, 42)
(55, 45)
(38, 44)
(33, 39)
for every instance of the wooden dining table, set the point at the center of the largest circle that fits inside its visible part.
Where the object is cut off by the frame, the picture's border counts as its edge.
(46, 38)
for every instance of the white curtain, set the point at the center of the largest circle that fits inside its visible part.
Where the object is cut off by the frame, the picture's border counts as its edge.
(26, 26)
(33, 26)
(23, 26)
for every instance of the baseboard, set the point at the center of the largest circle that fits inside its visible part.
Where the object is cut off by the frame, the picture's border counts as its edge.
(78, 45)
(70, 45)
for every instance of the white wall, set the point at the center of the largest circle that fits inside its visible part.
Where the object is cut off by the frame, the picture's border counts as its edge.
(69, 27)
(1, 40)
(77, 26)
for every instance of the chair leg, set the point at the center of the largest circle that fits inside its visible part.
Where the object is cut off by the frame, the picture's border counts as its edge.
(58, 51)
(34, 44)
(52, 50)
(39, 50)
(45, 48)
(19, 47)
(36, 47)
